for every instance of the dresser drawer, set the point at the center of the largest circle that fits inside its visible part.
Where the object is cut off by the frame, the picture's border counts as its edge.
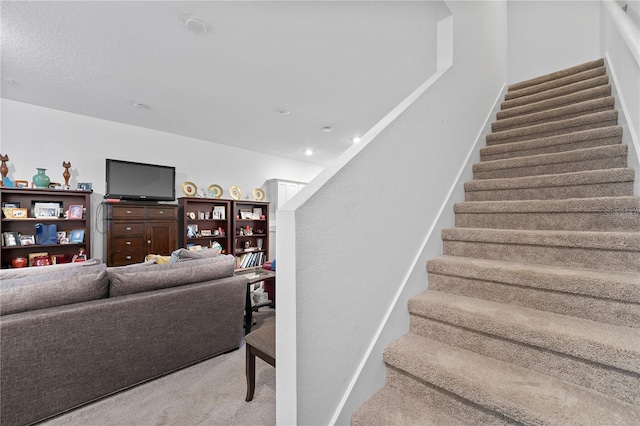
(122, 212)
(162, 212)
(124, 258)
(126, 229)
(128, 243)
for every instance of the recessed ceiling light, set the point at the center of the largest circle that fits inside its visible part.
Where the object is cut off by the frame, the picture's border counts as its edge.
(284, 112)
(356, 139)
(140, 105)
(327, 129)
(196, 26)
(309, 152)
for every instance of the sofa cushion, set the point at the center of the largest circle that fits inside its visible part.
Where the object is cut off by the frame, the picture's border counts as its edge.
(62, 287)
(137, 279)
(38, 270)
(182, 254)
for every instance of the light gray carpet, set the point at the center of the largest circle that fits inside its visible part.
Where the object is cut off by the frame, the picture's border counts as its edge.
(209, 393)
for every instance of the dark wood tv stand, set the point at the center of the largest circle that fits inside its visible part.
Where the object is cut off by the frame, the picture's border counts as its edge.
(136, 229)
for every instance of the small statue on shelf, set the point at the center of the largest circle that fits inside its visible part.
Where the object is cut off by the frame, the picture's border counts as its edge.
(66, 175)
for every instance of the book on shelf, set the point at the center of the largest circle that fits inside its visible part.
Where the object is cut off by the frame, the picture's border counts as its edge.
(249, 260)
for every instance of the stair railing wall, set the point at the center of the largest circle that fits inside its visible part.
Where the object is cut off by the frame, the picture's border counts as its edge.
(349, 241)
(622, 55)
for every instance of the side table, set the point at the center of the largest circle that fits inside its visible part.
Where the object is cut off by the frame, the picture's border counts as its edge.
(255, 276)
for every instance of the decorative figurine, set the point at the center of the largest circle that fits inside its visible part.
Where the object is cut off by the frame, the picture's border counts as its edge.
(66, 175)
(4, 169)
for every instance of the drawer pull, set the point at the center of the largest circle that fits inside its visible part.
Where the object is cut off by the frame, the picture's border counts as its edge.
(128, 243)
(128, 228)
(161, 212)
(148, 241)
(128, 211)
(128, 257)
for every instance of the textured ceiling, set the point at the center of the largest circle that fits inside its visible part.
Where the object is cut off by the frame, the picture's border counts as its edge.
(340, 64)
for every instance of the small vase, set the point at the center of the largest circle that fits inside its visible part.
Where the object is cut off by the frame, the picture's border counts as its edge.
(41, 180)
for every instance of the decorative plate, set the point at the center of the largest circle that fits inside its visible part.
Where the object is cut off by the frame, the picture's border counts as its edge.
(235, 192)
(258, 194)
(215, 191)
(189, 189)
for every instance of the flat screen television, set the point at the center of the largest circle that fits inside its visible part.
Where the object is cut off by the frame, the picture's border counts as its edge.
(127, 180)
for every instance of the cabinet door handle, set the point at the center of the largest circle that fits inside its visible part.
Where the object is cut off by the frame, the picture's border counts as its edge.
(128, 257)
(148, 241)
(128, 228)
(161, 212)
(128, 243)
(128, 211)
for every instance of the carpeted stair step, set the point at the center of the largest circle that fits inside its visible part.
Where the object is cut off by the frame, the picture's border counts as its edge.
(561, 364)
(591, 138)
(557, 75)
(605, 157)
(555, 83)
(518, 393)
(562, 127)
(560, 101)
(609, 297)
(585, 184)
(555, 114)
(605, 344)
(407, 401)
(554, 93)
(573, 214)
(610, 251)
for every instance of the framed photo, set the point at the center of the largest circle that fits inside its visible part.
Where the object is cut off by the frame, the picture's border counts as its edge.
(21, 183)
(85, 186)
(75, 211)
(61, 235)
(10, 205)
(76, 236)
(257, 211)
(19, 213)
(245, 214)
(27, 240)
(219, 212)
(10, 239)
(192, 230)
(205, 232)
(45, 209)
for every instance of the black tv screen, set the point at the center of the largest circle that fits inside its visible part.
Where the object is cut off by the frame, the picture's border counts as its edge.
(127, 180)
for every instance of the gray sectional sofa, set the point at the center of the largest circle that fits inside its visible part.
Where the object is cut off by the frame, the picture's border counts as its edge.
(70, 334)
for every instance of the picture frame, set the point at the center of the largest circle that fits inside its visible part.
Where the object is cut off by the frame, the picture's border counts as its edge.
(205, 232)
(76, 236)
(84, 186)
(257, 211)
(75, 211)
(27, 240)
(245, 214)
(21, 183)
(192, 230)
(19, 213)
(61, 235)
(46, 209)
(10, 239)
(219, 211)
(12, 205)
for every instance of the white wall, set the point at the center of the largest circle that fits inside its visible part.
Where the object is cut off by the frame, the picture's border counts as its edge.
(34, 136)
(353, 241)
(546, 36)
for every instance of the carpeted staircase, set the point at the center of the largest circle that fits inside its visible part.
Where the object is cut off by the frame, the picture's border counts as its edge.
(533, 312)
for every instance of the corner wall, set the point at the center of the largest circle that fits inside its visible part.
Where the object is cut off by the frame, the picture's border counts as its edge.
(34, 136)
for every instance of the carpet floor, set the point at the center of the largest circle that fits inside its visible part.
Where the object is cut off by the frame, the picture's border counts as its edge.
(209, 393)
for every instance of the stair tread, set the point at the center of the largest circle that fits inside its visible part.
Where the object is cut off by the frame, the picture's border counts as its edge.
(554, 125)
(583, 135)
(629, 204)
(590, 282)
(578, 86)
(555, 83)
(518, 393)
(548, 114)
(607, 344)
(586, 177)
(557, 74)
(607, 240)
(583, 95)
(577, 155)
(390, 406)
